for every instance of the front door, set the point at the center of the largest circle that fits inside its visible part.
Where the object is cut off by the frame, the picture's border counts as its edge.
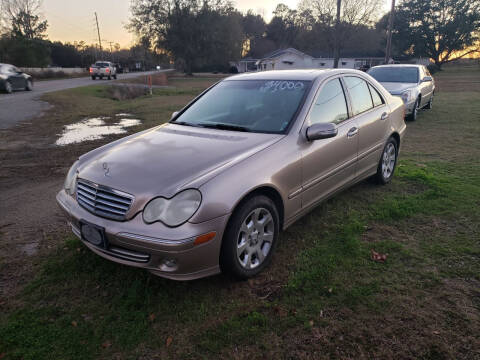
(328, 164)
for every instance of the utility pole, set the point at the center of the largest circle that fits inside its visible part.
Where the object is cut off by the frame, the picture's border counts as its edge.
(98, 31)
(336, 50)
(111, 51)
(388, 50)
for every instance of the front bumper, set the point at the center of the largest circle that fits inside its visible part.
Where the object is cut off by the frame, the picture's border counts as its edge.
(164, 251)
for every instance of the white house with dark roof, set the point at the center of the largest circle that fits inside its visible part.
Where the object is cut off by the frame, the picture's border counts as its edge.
(291, 58)
(285, 59)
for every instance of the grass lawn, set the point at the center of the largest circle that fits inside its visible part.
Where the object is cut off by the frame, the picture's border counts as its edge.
(323, 296)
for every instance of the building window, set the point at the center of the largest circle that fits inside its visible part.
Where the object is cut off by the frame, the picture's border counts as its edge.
(344, 63)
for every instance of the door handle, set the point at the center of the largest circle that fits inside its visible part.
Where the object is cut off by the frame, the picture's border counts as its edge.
(352, 132)
(384, 116)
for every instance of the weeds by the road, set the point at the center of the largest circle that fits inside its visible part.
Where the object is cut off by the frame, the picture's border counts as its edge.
(323, 296)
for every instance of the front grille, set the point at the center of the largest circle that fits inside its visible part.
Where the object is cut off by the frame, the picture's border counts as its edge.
(103, 201)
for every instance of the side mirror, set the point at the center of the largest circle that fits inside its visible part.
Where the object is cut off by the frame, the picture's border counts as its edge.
(427, 79)
(175, 113)
(321, 131)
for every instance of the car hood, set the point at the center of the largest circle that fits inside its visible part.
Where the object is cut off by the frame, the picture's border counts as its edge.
(169, 158)
(396, 88)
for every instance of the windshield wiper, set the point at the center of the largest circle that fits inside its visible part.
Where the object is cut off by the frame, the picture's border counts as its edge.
(225, 127)
(184, 123)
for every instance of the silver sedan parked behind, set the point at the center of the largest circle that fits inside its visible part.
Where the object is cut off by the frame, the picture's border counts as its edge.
(413, 83)
(210, 190)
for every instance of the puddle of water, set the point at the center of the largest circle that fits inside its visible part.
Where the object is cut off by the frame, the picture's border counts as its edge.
(93, 129)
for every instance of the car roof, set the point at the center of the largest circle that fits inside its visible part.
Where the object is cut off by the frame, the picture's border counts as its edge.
(305, 75)
(397, 65)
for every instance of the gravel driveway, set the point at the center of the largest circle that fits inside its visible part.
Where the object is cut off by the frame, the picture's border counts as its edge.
(24, 105)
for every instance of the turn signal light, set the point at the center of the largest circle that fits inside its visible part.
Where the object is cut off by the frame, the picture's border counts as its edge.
(204, 238)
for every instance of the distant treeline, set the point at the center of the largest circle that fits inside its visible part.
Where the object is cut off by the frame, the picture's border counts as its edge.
(25, 52)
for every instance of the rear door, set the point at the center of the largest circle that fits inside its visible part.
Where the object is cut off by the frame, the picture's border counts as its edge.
(329, 164)
(371, 114)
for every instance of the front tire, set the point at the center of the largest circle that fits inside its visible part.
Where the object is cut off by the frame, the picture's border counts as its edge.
(8, 87)
(430, 103)
(29, 85)
(250, 238)
(115, 77)
(414, 114)
(388, 162)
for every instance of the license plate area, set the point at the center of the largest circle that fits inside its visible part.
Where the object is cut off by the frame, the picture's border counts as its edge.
(93, 234)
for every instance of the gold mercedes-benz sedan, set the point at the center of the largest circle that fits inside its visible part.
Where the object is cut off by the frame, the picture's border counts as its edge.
(211, 190)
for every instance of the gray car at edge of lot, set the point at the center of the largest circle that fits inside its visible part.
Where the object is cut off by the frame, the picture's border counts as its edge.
(12, 79)
(413, 83)
(210, 190)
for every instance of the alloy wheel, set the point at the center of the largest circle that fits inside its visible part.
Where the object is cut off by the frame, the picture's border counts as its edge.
(388, 160)
(8, 87)
(255, 238)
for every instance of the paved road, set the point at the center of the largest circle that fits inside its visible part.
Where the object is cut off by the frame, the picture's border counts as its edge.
(24, 105)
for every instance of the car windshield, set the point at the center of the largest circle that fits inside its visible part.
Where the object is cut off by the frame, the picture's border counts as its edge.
(101, 64)
(247, 105)
(395, 74)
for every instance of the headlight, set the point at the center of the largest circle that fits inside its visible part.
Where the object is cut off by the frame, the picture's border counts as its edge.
(174, 211)
(406, 96)
(71, 178)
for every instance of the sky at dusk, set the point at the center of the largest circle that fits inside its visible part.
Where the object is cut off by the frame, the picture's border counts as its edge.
(71, 21)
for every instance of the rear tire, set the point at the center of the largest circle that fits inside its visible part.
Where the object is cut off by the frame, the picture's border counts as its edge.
(94, 77)
(413, 116)
(109, 78)
(388, 162)
(250, 238)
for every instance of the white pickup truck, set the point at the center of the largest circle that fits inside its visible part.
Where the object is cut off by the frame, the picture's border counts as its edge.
(103, 69)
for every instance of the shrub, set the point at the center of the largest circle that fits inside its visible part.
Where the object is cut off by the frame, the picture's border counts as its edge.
(126, 92)
(433, 68)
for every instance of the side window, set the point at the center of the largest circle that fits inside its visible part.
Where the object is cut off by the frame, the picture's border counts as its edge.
(376, 97)
(330, 105)
(359, 94)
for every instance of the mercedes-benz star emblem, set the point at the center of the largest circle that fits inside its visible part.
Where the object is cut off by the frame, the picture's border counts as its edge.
(106, 169)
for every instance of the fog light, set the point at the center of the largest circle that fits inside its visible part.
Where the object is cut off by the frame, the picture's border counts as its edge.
(168, 265)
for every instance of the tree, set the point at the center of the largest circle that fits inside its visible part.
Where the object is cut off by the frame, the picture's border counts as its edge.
(194, 32)
(21, 18)
(342, 19)
(443, 30)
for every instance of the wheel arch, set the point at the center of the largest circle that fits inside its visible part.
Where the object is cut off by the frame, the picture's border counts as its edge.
(396, 136)
(266, 190)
